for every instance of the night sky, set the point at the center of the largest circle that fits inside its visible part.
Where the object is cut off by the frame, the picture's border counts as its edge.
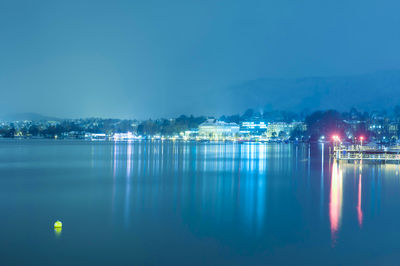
(142, 59)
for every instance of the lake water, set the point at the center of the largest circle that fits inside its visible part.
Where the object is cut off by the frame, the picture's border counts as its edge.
(153, 203)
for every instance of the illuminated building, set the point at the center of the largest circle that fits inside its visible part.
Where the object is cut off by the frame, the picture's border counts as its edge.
(283, 130)
(95, 136)
(253, 128)
(214, 129)
(393, 129)
(191, 134)
(125, 136)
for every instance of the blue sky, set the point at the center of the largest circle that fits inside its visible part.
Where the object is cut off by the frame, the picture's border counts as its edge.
(163, 58)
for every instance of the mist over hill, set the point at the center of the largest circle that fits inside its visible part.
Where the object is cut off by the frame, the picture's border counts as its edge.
(26, 116)
(380, 90)
(366, 92)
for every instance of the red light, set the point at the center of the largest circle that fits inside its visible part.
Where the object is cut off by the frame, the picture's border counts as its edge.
(361, 137)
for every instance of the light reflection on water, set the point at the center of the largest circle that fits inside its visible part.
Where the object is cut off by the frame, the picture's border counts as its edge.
(348, 178)
(264, 202)
(336, 197)
(239, 186)
(239, 170)
(359, 208)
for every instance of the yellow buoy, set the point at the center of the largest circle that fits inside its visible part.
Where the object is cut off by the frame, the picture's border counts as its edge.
(58, 224)
(57, 231)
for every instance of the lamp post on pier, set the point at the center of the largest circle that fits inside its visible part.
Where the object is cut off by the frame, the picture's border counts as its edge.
(336, 141)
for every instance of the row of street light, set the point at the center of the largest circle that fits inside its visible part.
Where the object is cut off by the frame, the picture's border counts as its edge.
(336, 139)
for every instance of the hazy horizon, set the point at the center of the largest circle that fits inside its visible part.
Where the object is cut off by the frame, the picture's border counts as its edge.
(130, 59)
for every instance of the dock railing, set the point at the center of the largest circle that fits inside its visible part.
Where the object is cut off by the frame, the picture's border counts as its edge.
(357, 152)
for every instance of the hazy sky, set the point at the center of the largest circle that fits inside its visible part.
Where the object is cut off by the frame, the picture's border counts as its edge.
(163, 58)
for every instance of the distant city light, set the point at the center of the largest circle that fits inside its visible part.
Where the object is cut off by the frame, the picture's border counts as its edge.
(125, 136)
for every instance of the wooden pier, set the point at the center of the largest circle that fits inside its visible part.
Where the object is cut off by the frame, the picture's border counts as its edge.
(357, 153)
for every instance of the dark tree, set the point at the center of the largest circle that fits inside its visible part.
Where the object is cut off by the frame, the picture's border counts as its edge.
(325, 123)
(10, 133)
(33, 130)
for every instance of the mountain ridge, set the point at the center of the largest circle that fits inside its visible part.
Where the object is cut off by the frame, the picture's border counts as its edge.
(364, 91)
(31, 116)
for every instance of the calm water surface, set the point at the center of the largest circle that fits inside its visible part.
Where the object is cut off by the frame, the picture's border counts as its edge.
(152, 203)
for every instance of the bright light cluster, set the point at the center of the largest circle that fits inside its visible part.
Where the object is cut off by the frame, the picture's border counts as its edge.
(125, 136)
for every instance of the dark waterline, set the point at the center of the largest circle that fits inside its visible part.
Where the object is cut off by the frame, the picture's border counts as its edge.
(153, 203)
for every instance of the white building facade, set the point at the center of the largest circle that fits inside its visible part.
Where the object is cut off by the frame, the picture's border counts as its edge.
(214, 129)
